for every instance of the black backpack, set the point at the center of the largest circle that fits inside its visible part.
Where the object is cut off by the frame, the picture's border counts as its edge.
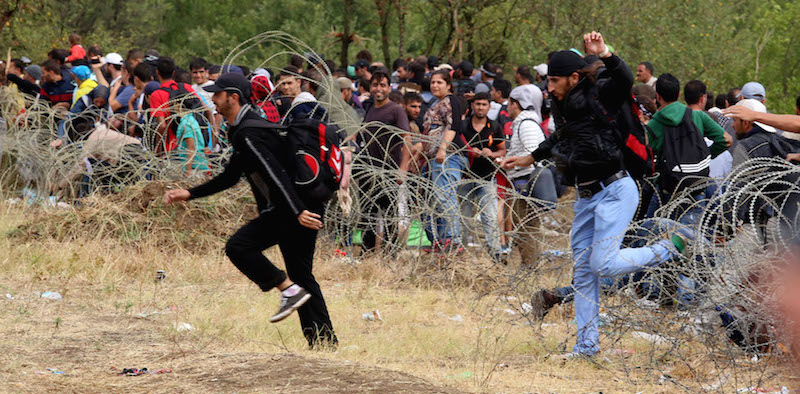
(316, 164)
(685, 157)
(319, 162)
(182, 99)
(637, 154)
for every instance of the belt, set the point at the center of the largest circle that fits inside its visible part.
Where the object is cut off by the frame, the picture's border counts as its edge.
(588, 191)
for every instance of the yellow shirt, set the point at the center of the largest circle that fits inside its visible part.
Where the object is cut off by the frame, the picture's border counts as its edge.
(85, 87)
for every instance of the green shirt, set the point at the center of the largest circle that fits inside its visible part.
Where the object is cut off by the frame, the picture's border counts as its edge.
(672, 115)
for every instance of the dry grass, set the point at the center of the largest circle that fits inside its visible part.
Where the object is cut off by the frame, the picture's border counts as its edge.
(114, 315)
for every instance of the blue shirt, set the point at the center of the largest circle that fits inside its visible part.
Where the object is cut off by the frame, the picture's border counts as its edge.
(123, 96)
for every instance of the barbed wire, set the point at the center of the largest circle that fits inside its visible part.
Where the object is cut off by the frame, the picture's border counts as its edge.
(703, 322)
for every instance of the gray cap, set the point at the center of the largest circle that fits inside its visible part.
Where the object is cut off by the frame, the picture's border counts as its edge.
(35, 71)
(528, 97)
(754, 90)
(482, 88)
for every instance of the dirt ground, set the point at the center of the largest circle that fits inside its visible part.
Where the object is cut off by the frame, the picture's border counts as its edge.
(38, 354)
(444, 330)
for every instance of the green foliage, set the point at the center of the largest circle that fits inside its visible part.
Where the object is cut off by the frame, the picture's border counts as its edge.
(723, 44)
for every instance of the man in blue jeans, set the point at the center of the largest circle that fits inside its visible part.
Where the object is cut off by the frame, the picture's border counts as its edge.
(485, 143)
(589, 154)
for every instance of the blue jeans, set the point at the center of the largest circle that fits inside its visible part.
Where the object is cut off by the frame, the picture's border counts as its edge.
(445, 223)
(647, 229)
(597, 232)
(485, 196)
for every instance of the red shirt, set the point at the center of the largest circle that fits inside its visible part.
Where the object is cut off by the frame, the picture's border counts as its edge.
(159, 102)
(160, 98)
(76, 52)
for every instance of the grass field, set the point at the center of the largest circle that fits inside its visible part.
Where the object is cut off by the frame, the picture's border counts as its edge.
(443, 330)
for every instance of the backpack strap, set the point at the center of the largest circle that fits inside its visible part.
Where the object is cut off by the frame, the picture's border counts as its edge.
(323, 146)
(537, 125)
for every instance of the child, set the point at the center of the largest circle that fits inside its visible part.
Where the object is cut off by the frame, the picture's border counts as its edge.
(76, 51)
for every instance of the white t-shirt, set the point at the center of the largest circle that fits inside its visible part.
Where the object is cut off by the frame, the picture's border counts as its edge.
(205, 95)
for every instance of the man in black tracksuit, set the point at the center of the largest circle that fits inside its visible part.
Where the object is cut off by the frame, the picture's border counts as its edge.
(285, 218)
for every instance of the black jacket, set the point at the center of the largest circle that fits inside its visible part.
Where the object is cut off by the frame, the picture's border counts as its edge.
(259, 153)
(25, 86)
(585, 146)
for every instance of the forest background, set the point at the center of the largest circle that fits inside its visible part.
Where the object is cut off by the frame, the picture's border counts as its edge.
(724, 44)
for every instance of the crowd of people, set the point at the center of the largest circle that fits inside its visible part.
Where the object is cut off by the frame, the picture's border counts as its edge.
(504, 145)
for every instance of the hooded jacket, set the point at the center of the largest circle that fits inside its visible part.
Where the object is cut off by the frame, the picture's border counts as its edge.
(671, 115)
(586, 148)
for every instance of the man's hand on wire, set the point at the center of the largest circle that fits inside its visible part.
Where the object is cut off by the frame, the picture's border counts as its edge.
(516, 161)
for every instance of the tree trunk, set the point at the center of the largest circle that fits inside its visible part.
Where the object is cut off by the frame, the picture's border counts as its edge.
(7, 14)
(401, 35)
(383, 19)
(346, 35)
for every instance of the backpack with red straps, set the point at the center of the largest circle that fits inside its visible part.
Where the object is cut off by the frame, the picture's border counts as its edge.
(637, 154)
(319, 161)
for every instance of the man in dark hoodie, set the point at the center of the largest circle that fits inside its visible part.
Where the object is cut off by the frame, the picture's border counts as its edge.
(285, 218)
(589, 153)
(671, 114)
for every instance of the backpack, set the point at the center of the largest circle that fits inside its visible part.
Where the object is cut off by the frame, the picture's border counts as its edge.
(180, 98)
(684, 155)
(318, 159)
(316, 162)
(637, 154)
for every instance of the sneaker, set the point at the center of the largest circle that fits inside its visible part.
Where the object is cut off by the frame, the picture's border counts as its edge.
(685, 237)
(435, 247)
(572, 356)
(452, 248)
(290, 304)
(541, 303)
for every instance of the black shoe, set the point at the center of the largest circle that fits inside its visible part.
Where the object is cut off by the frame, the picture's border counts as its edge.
(290, 304)
(541, 303)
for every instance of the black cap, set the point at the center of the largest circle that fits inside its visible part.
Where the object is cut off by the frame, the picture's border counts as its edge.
(564, 63)
(231, 82)
(361, 63)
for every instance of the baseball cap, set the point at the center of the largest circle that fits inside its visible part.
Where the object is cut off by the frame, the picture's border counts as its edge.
(756, 106)
(231, 82)
(113, 58)
(361, 63)
(485, 70)
(35, 71)
(81, 72)
(482, 88)
(151, 87)
(313, 57)
(753, 90)
(231, 69)
(443, 67)
(541, 69)
(344, 83)
(528, 97)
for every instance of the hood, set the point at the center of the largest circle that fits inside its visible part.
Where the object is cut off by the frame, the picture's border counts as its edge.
(304, 97)
(671, 115)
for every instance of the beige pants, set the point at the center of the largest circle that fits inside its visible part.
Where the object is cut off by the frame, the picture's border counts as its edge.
(526, 226)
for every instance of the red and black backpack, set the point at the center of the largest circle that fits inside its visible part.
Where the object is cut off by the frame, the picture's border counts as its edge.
(637, 154)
